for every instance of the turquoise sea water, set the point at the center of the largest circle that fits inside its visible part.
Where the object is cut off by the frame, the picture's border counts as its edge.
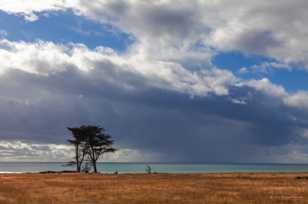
(11, 167)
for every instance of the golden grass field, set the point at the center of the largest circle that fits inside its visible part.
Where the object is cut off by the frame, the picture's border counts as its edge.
(242, 188)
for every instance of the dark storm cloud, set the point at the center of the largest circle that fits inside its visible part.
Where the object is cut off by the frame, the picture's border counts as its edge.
(258, 41)
(208, 128)
(153, 18)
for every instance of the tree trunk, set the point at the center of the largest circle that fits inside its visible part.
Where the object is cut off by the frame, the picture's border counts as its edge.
(77, 158)
(78, 168)
(94, 166)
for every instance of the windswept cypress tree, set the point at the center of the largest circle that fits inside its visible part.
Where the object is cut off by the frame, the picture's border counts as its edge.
(90, 142)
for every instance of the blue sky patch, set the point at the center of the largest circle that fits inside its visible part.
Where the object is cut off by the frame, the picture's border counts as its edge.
(292, 81)
(236, 60)
(64, 27)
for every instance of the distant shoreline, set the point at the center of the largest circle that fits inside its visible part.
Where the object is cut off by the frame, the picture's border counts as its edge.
(169, 163)
(24, 167)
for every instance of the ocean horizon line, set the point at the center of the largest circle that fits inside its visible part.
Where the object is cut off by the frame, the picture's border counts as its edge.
(116, 167)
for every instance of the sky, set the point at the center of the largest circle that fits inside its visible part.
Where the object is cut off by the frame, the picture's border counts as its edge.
(170, 80)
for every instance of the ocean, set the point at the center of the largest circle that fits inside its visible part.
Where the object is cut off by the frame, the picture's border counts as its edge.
(20, 167)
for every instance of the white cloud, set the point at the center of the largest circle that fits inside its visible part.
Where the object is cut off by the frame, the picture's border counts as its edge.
(266, 86)
(170, 29)
(295, 100)
(25, 151)
(262, 27)
(27, 9)
(31, 17)
(46, 58)
(298, 100)
(17, 150)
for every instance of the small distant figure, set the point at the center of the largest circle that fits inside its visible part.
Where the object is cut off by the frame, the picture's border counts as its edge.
(116, 172)
(148, 169)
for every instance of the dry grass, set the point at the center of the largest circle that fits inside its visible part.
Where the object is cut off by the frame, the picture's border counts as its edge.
(241, 188)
